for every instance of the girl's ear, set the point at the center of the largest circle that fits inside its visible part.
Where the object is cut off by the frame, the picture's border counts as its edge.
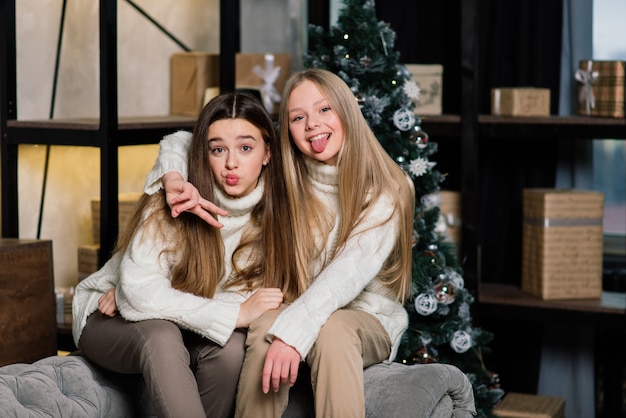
(268, 155)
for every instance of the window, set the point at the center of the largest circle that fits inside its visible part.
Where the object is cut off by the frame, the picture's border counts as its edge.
(609, 156)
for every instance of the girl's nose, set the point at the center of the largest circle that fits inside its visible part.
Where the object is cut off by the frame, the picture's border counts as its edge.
(231, 162)
(312, 123)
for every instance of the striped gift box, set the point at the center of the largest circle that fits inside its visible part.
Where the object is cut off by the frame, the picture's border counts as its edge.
(601, 89)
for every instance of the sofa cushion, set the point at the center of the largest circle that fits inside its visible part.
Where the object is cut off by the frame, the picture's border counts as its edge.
(421, 390)
(70, 386)
(64, 386)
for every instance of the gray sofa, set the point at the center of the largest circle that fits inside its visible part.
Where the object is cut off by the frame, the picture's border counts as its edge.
(70, 386)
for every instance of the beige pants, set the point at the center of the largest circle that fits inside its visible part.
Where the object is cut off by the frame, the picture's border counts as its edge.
(348, 342)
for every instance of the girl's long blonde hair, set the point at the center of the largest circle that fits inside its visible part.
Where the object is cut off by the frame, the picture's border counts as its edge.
(264, 256)
(366, 171)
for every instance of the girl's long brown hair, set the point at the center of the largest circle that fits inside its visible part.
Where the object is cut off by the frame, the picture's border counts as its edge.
(264, 257)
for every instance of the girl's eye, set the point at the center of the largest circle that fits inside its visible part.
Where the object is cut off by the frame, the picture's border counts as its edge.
(217, 150)
(297, 118)
(325, 109)
(246, 148)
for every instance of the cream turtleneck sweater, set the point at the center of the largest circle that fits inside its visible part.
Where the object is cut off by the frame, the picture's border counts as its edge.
(143, 288)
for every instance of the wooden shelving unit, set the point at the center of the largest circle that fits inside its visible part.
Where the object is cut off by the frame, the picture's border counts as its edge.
(108, 132)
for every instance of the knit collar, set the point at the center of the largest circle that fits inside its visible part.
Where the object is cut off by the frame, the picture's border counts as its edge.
(237, 206)
(326, 174)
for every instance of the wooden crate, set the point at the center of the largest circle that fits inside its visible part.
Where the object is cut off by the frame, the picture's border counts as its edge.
(27, 301)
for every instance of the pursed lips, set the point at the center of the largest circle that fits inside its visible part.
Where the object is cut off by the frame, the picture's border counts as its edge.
(232, 179)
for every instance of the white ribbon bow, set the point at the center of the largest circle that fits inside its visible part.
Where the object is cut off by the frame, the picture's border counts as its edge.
(269, 75)
(587, 77)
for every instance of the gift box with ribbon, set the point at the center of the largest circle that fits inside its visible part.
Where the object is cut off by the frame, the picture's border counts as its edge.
(266, 73)
(562, 243)
(601, 89)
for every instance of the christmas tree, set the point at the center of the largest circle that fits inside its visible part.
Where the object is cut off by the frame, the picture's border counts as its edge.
(360, 49)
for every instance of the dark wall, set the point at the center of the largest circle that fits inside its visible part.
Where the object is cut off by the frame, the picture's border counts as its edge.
(517, 44)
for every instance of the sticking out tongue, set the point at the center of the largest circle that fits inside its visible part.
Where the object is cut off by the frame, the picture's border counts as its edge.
(319, 145)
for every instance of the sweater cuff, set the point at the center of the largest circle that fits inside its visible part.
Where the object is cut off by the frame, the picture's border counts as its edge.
(173, 156)
(221, 327)
(300, 336)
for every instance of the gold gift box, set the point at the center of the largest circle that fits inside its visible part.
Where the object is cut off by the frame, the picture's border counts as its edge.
(520, 101)
(562, 243)
(191, 73)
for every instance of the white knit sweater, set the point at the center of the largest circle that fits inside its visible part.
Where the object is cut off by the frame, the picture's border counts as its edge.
(141, 277)
(348, 281)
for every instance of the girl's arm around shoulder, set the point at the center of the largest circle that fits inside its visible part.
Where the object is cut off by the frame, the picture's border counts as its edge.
(173, 155)
(341, 281)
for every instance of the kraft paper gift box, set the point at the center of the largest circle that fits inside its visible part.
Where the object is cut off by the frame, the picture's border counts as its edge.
(520, 101)
(127, 202)
(562, 243)
(88, 260)
(451, 211)
(266, 73)
(191, 74)
(521, 405)
(428, 78)
(601, 89)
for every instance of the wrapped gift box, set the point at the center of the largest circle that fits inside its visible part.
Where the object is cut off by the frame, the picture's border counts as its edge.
(127, 202)
(194, 79)
(520, 101)
(601, 89)
(562, 243)
(191, 74)
(521, 405)
(266, 73)
(451, 211)
(88, 260)
(428, 78)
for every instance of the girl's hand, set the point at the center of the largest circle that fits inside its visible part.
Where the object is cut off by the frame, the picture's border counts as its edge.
(281, 366)
(261, 301)
(182, 196)
(106, 303)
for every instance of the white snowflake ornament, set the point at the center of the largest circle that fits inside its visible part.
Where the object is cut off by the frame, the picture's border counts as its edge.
(420, 166)
(412, 90)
